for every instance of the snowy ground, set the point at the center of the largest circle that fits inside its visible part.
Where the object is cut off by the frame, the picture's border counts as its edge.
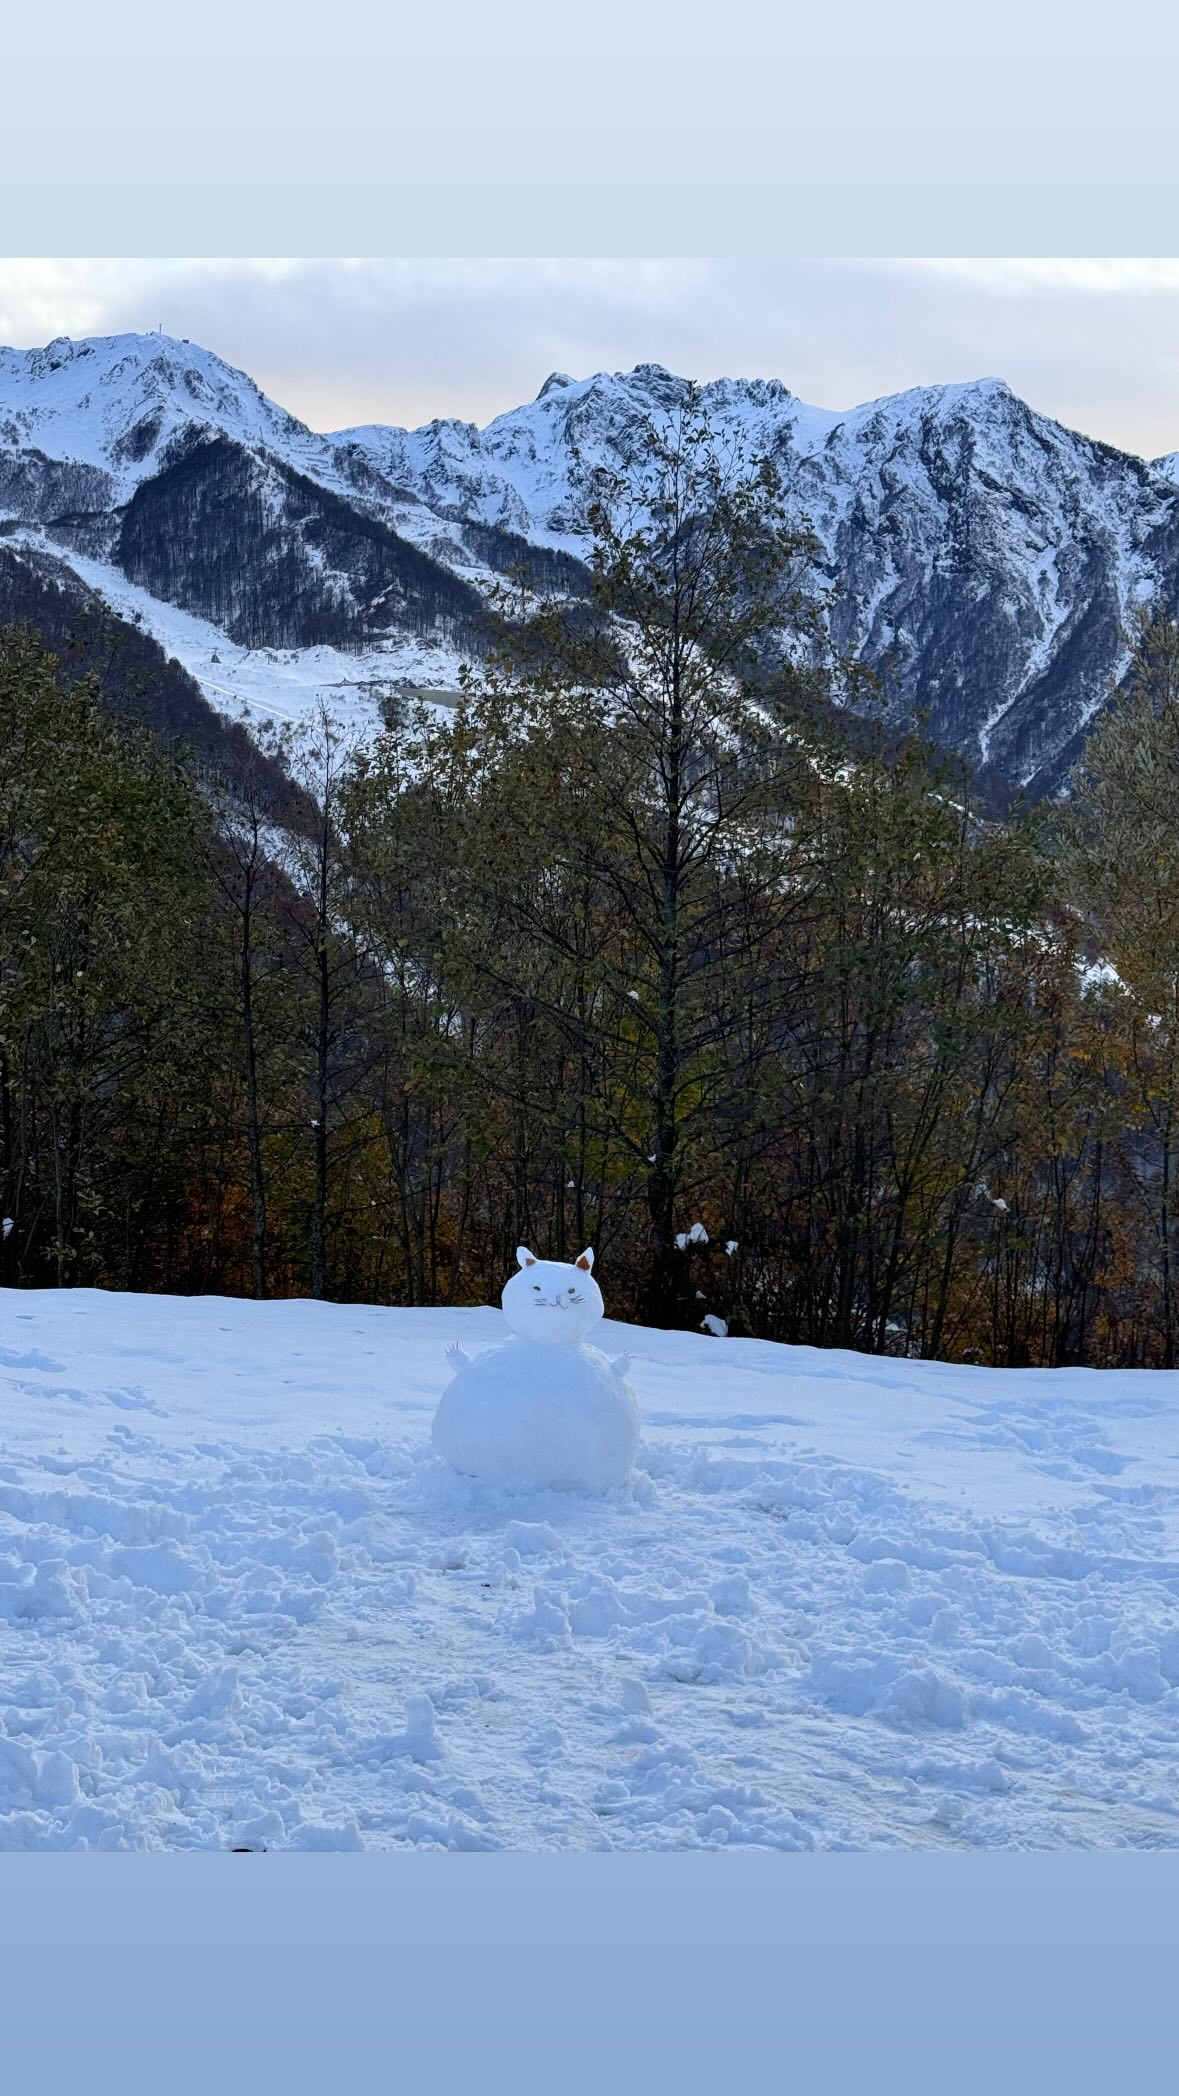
(848, 1602)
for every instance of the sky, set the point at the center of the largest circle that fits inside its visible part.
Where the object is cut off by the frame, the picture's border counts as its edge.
(1094, 343)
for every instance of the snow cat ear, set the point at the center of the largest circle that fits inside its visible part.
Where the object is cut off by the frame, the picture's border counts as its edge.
(524, 1257)
(585, 1262)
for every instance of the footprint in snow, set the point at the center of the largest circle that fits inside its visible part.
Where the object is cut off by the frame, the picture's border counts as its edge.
(133, 1399)
(32, 1358)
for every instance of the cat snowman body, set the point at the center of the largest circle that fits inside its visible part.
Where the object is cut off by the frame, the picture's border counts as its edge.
(546, 1408)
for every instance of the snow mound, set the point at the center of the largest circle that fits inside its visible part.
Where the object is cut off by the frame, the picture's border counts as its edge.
(526, 1417)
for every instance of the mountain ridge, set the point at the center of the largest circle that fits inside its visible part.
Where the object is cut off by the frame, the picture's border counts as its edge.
(982, 558)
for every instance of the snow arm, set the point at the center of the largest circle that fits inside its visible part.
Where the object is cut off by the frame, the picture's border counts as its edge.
(621, 1365)
(457, 1358)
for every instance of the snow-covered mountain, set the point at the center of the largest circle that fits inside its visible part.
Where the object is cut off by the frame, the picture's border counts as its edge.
(980, 556)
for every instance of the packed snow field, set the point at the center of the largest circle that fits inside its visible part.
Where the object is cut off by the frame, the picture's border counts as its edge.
(844, 1602)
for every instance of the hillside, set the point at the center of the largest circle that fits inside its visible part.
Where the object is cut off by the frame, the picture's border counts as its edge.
(136, 678)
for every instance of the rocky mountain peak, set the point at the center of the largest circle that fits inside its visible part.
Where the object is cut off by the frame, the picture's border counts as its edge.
(981, 557)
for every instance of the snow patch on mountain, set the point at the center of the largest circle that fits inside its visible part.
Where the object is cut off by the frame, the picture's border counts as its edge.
(275, 688)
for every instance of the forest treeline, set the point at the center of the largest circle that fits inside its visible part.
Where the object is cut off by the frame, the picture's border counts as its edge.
(637, 938)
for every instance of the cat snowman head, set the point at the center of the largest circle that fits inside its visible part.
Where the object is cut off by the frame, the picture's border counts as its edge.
(557, 1305)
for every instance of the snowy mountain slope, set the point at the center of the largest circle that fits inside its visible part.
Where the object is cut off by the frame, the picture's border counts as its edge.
(137, 671)
(849, 1602)
(284, 685)
(161, 462)
(84, 426)
(115, 404)
(982, 558)
(281, 688)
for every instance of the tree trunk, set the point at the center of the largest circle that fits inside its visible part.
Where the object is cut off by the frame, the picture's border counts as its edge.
(322, 1044)
(664, 1298)
(319, 1196)
(253, 1127)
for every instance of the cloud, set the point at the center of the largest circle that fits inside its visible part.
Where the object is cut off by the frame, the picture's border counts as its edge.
(1093, 342)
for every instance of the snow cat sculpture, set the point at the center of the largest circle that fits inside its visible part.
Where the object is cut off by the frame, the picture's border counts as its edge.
(545, 1409)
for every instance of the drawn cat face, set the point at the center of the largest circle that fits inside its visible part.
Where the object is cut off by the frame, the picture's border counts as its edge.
(551, 1302)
